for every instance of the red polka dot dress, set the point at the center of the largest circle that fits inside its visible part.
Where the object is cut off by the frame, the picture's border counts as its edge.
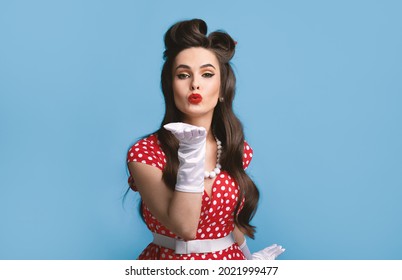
(217, 211)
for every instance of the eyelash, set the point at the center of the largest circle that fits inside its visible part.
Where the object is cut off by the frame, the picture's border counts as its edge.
(183, 76)
(208, 75)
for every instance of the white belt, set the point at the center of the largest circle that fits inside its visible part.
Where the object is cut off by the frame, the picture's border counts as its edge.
(193, 246)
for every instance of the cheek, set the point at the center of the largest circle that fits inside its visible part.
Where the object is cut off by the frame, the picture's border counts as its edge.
(176, 90)
(178, 95)
(216, 87)
(179, 87)
(176, 99)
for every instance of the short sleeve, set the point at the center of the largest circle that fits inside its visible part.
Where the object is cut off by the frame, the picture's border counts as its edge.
(247, 155)
(147, 151)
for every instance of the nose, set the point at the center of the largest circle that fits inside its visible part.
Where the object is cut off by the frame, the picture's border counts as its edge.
(194, 85)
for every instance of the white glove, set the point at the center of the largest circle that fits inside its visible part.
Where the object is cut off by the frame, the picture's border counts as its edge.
(191, 154)
(269, 253)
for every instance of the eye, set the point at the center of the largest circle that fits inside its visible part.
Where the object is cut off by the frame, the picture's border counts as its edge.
(208, 75)
(183, 76)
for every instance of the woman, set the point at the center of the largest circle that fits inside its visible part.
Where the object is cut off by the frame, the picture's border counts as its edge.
(197, 199)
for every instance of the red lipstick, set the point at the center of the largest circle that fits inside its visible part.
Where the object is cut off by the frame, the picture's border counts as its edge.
(195, 98)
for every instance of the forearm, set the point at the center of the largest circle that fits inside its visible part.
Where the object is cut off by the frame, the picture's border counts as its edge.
(184, 212)
(238, 235)
(185, 206)
(241, 241)
(177, 211)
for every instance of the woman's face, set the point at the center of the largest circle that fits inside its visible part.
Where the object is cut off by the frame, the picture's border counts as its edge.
(196, 82)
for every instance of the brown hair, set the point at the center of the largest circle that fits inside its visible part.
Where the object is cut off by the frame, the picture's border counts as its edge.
(225, 125)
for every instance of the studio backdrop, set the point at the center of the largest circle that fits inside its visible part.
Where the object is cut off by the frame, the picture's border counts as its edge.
(318, 92)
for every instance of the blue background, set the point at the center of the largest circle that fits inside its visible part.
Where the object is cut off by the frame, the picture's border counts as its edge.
(319, 94)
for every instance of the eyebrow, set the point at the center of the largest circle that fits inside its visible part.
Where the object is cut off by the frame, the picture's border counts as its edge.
(188, 67)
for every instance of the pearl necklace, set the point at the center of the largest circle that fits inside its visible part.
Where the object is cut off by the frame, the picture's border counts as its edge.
(212, 174)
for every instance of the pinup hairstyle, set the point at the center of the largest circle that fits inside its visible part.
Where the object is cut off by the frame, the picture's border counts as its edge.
(225, 125)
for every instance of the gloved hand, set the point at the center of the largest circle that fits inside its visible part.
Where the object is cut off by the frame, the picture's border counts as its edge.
(191, 154)
(269, 253)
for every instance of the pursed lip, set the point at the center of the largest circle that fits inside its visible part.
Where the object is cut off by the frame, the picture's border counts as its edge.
(195, 98)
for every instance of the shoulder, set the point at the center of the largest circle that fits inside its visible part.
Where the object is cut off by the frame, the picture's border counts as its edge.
(247, 154)
(147, 150)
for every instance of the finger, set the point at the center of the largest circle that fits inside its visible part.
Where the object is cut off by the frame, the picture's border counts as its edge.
(172, 127)
(196, 132)
(273, 251)
(270, 249)
(257, 256)
(188, 133)
(202, 131)
(277, 253)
